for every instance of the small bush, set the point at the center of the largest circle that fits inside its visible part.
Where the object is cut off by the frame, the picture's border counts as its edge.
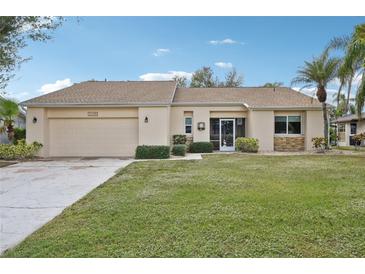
(20, 151)
(201, 147)
(358, 139)
(179, 139)
(319, 143)
(179, 150)
(152, 152)
(245, 144)
(19, 133)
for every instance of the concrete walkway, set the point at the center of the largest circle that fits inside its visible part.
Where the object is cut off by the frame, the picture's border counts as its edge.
(33, 193)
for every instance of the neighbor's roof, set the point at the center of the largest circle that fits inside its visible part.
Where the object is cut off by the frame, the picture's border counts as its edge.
(252, 97)
(165, 93)
(350, 117)
(110, 93)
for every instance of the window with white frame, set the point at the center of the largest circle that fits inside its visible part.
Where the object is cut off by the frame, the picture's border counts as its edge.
(290, 124)
(188, 125)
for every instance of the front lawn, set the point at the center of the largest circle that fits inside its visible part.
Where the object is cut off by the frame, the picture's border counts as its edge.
(351, 148)
(221, 206)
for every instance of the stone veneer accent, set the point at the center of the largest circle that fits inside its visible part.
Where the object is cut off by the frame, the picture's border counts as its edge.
(288, 143)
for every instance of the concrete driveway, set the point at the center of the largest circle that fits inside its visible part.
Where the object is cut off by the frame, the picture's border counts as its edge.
(33, 193)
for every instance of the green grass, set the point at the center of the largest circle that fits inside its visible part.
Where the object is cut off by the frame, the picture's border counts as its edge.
(221, 206)
(352, 148)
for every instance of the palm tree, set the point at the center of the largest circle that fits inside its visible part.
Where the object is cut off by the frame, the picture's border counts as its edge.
(356, 50)
(341, 105)
(9, 110)
(347, 69)
(318, 74)
(354, 60)
(273, 85)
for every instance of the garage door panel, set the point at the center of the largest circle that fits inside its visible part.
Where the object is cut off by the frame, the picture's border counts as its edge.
(93, 137)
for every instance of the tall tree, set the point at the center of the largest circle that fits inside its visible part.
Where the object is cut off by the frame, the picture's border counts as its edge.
(181, 81)
(233, 79)
(9, 110)
(318, 73)
(354, 61)
(15, 32)
(357, 48)
(341, 107)
(347, 69)
(273, 85)
(204, 78)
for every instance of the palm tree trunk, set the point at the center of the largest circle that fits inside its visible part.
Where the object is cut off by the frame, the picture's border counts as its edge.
(348, 94)
(10, 131)
(339, 93)
(325, 122)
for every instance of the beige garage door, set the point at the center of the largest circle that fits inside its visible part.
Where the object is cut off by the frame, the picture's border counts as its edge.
(93, 137)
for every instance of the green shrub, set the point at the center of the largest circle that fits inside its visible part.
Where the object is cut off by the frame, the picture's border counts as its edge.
(179, 150)
(201, 147)
(179, 139)
(358, 139)
(19, 151)
(319, 143)
(19, 133)
(152, 152)
(245, 144)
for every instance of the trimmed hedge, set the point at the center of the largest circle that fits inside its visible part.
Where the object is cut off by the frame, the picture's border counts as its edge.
(201, 147)
(153, 152)
(179, 139)
(245, 144)
(179, 150)
(20, 151)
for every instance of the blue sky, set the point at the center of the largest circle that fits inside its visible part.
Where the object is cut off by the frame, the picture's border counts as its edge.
(263, 49)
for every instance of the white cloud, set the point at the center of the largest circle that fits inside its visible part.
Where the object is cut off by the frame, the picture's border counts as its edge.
(226, 41)
(161, 52)
(223, 65)
(19, 96)
(152, 76)
(59, 84)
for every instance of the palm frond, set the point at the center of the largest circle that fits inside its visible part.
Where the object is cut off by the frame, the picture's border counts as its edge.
(339, 42)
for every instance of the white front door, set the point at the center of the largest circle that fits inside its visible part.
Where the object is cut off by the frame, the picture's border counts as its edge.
(227, 133)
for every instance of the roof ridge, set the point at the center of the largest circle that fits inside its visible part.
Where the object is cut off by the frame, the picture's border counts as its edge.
(123, 81)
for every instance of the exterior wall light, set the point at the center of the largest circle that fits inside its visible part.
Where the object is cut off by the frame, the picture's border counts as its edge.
(146, 119)
(201, 126)
(35, 120)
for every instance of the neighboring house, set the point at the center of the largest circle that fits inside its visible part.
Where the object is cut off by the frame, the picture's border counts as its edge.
(347, 127)
(112, 118)
(19, 123)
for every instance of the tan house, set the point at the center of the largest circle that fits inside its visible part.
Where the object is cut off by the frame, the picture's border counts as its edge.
(112, 118)
(347, 127)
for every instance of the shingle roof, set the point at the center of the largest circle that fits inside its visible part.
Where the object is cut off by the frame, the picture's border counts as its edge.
(251, 97)
(165, 93)
(110, 92)
(350, 117)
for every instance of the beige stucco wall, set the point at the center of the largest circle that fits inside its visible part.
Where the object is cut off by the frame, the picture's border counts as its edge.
(260, 125)
(156, 131)
(37, 132)
(165, 121)
(313, 127)
(83, 112)
(201, 114)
